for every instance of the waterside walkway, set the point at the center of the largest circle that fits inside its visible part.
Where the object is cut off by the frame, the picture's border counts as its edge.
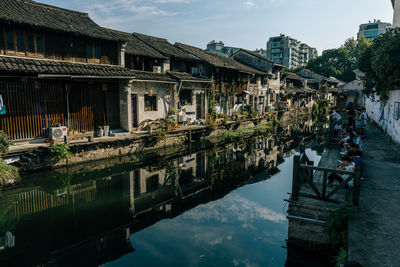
(374, 230)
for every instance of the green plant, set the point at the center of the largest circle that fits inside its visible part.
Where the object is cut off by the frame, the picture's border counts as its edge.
(7, 172)
(253, 113)
(336, 227)
(5, 142)
(59, 151)
(341, 258)
(210, 122)
(161, 133)
(380, 64)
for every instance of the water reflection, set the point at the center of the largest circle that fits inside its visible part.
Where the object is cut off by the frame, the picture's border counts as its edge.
(88, 218)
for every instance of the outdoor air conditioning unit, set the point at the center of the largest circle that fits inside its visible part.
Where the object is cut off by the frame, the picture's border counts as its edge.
(58, 132)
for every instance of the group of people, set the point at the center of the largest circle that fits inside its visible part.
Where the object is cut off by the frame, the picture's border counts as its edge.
(357, 119)
(350, 139)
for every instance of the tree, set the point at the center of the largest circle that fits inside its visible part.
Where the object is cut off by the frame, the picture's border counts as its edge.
(381, 65)
(340, 62)
(333, 62)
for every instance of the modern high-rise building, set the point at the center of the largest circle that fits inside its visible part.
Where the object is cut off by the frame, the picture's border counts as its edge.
(289, 52)
(396, 15)
(372, 29)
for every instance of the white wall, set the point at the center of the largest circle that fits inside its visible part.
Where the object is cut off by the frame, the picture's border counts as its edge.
(388, 124)
(164, 99)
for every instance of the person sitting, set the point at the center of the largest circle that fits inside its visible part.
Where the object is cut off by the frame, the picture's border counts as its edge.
(356, 157)
(336, 178)
(337, 129)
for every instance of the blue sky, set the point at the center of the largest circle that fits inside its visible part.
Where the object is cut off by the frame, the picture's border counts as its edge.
(243, 23)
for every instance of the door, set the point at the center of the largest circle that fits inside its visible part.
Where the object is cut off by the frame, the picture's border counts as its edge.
(134, 110)
(198, 106)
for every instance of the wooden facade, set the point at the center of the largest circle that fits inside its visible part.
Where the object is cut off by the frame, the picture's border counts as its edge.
(34, 106)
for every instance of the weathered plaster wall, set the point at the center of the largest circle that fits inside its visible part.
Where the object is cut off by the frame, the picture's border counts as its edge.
(124, 107)
(164, 100)
(389, 124)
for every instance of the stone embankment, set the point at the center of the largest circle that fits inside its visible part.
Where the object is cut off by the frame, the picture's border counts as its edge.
(139, 147)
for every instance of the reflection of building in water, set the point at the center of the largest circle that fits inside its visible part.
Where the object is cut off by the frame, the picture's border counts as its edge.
(96, 217)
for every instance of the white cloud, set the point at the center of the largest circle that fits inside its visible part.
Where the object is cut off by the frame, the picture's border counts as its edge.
(235, 207)
(248, 4)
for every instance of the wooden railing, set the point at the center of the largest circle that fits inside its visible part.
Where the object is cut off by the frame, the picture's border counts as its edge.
(304, 171)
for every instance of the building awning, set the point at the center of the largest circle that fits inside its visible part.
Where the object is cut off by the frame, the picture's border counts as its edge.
(47, 68)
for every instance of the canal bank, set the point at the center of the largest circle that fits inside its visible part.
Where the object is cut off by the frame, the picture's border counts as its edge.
(374, 229)
(31, 156)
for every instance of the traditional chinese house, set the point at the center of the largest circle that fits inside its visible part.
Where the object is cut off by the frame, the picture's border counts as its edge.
(58, 67)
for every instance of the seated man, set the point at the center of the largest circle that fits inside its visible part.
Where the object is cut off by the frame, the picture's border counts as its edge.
(356, 157)
(336, 178)
(337, 129)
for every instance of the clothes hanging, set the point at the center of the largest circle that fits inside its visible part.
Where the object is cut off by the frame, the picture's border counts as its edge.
(2, 106)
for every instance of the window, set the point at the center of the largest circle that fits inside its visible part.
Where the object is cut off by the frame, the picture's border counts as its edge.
(89, 51)
(152, 183)
(185, 97)
(22, 42)
(93, 53)
(39, 44)
(30, 41)
(96, 52)
(10, 40)
(150, 103)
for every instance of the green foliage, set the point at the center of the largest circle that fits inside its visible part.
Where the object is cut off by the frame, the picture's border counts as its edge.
(212, 103)
(381, 65)
(336, 227)
(253, 113)
(210, 122)
(4, 143)
(341, 258)
(59, 151)
(238, 133)
(340, 62)
(7, 172)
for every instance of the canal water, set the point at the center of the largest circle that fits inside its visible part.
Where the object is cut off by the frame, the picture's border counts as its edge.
(220, 207)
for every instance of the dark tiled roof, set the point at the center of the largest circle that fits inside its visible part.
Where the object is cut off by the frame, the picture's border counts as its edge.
(28, 66)
(135, 46)
(259, 56)
(37, 15)
(292, 76)
(218, 60)
(184, 76)
(320, 76)
(165, 47)
(146, 75)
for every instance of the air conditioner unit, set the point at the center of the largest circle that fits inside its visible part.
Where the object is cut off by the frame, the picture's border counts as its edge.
(58, 132)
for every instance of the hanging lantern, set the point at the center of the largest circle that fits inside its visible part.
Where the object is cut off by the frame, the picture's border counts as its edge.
(37, 84)
(150, 93)
(104, 87)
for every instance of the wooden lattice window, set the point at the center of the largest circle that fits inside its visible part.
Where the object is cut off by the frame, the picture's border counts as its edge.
(150, 103)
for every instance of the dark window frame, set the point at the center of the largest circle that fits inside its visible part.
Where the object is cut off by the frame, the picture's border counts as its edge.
(150, 103)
